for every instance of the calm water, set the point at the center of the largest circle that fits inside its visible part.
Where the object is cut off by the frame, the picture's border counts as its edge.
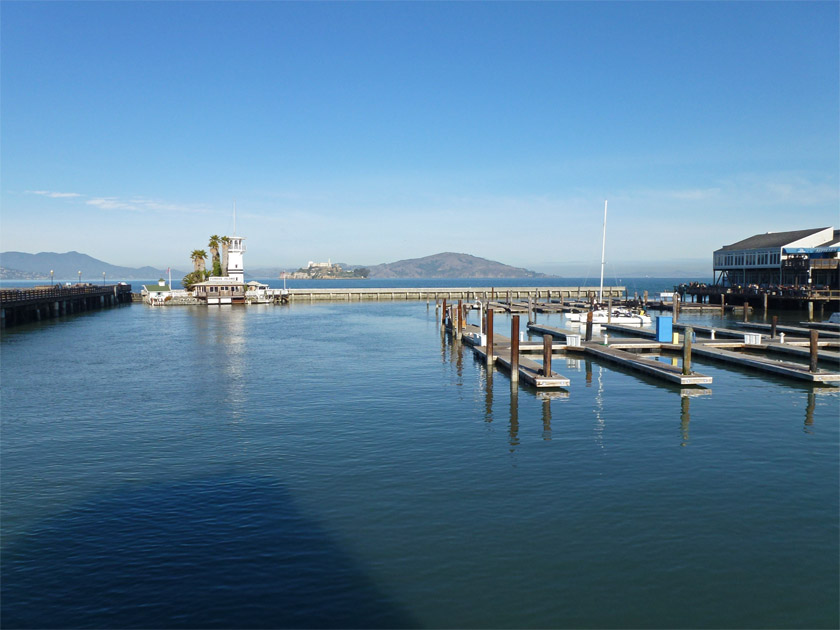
(340, 465)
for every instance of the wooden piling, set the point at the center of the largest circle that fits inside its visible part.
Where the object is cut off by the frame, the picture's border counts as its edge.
(746, 311)
(722, 304)
(514, 348)
(765, 301)
(810, 311)
(645, 298)
(547, 345)
(489, 346)
(815, 336)
(588, 326)
(676, 307)
(443, 315)
(688, 332)
(460, 324)
(609, 310)
(773, 323)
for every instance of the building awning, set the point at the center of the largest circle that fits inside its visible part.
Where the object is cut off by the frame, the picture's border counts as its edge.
(811, 250)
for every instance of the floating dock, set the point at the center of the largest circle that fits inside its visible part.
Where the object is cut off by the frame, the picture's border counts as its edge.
(529, 371)
(630, 360)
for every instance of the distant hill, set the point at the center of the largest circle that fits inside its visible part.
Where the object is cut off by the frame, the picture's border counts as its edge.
(20, 265)
(450, 265)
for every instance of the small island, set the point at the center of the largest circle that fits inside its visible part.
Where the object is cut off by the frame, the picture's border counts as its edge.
(328, 271)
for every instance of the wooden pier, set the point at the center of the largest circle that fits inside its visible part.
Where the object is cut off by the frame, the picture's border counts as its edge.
(18, 306)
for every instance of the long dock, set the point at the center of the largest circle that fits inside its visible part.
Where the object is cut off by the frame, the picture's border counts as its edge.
(19, 306)
(484, 294)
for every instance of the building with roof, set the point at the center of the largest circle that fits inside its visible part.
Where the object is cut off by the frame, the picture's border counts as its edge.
(156, 294)
(798, 258)
(220, 290)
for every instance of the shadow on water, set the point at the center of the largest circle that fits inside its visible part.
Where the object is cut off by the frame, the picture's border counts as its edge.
(206, 553)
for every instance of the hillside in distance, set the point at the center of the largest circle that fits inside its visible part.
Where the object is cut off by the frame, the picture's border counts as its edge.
(450, 265)
(66, 266)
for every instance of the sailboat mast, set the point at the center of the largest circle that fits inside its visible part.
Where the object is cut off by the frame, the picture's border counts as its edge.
(603, 246)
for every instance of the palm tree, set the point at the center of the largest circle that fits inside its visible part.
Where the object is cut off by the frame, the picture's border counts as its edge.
(214, 252)
(198, 256)
(225, 244)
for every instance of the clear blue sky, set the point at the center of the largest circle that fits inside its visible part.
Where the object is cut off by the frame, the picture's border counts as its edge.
(372, 132)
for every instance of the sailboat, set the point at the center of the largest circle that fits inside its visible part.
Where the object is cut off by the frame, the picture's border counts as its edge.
(602, 315)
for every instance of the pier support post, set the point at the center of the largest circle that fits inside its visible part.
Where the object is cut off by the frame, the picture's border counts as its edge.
(765, 301)
(514, 348)
(530, 310)
(588, 326)
(810, 311)
(548, 340)
(443, 315)
(815, 336)
(746, 311)
(459, 328)
(722, 304)
(489, 346)
(773, 323)
(676, 306)
(686, 366)
(609, 310)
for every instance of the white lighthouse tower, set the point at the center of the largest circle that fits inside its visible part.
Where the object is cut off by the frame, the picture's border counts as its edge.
(236, 249)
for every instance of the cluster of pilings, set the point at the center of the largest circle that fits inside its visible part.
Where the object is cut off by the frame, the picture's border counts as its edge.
(19, 306)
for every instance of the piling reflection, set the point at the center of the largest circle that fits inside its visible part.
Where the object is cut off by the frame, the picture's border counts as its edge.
(488, 394)
(685, 418)
(514, 415)
(810, 405)
(546, 418)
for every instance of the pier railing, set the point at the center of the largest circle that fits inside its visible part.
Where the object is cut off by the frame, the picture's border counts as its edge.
(11, 297)
(457, 293)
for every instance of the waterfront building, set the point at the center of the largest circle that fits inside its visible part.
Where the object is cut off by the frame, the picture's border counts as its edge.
(221, 290)
(799, 258)
(156, 294)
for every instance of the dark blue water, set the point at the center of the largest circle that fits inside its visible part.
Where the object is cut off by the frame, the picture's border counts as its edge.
(341, 465)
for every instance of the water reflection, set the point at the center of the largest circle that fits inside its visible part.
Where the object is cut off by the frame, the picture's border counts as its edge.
(223, 344)
(546, 418)
(685, 418)
(809, 411)
(488, 394)
(514, 415)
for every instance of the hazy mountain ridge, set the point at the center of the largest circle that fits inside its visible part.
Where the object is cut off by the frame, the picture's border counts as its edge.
(450, 265)
(66, 266)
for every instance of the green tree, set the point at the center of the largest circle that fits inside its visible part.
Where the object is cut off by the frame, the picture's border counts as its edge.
(198, 257)
(225, 246)
(213, 246)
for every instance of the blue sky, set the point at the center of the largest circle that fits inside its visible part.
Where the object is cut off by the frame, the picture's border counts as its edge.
(377, 131)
